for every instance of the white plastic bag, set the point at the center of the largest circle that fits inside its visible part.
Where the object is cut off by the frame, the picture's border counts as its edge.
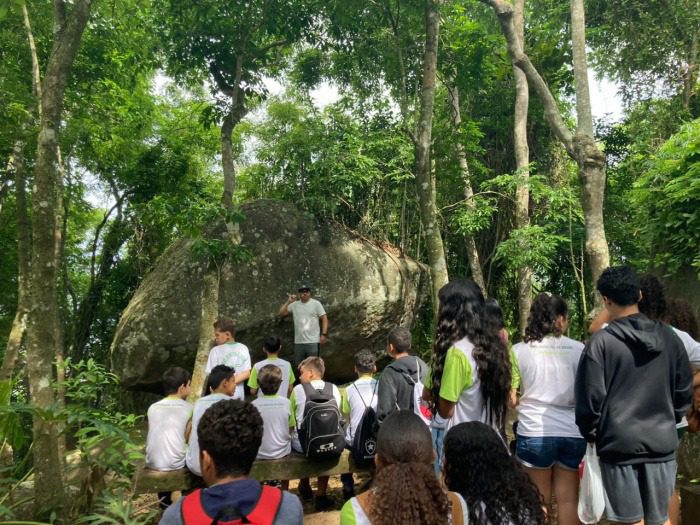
(591, 494)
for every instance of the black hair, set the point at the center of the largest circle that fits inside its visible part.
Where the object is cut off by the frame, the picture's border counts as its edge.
(270, 379)
(218, 375)
(400, 337)
(680, 314)
(365, 362)
(653, 301)
(461, 314)
(542, 320)
(620, 284)
(174, 378)
(496, 488)
(272, 344)
(494, 314)
(231, 432)
(405, 489)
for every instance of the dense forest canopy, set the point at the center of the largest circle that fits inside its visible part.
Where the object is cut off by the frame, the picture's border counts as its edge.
(461, 132)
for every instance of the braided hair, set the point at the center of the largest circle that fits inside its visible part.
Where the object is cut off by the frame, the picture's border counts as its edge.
(542, 321)
(461, 315)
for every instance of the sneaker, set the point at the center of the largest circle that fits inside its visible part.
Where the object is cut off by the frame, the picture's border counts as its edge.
(324, 503)
(305, 491)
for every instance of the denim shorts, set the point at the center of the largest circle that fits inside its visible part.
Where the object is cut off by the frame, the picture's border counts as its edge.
(545, 451)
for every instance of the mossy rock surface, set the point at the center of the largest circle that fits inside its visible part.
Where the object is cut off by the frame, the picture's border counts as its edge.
(366, 288)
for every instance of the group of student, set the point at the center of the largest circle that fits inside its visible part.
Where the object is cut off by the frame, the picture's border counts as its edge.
(438, 432)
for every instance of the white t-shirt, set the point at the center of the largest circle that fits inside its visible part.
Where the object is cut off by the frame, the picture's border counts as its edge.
(278, 418)
(691, 346)
(200, 407)
(358, 396)
(307, 327)
(287, 375)
(298, 400)
(233, 354)
(165, 443)
(547, 374)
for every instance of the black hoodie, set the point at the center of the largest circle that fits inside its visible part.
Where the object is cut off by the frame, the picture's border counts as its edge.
(396, 384)
(633, 385)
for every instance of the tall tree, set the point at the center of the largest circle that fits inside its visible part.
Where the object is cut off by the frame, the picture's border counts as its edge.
(69, 22)
(522, 165)
(580, 145)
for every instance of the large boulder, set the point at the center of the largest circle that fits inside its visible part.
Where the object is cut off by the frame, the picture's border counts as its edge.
(366, 287)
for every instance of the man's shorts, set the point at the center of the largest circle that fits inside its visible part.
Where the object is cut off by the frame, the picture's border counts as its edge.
(304, 350)
(639, 491)
(545, 451)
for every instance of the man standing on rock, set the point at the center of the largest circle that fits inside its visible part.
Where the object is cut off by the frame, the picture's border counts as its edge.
(310, 323)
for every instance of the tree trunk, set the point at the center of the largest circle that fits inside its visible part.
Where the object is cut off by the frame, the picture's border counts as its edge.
(210, 312)
(589, 157)
(227, 161)
(19, 323)
(472, 252)
(41, 344)
(423, 141)
(580, 147)
(522, 164)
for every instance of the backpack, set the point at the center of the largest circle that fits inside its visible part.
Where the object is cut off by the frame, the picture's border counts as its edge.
(264, 512)
(364, 442)
(420, 406)
(321, 431)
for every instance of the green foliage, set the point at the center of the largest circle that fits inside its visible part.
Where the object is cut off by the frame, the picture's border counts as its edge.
(669, 194)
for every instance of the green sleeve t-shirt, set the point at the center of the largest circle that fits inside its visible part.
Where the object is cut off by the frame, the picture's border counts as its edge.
(457, 375)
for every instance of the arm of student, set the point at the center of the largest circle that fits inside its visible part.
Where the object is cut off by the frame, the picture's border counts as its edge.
(589, 392)
(324, 328)
(446, 408)
(241, 377)
(601, 319)
(284, 309)
(188, 430)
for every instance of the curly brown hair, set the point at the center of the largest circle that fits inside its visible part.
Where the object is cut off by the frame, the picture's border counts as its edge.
(680, 314)
(542, 320)
(405, 489)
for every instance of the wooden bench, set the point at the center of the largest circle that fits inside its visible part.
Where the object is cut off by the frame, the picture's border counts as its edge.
(294, 466)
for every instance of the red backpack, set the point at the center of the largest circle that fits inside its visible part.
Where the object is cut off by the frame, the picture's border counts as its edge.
(264, 512)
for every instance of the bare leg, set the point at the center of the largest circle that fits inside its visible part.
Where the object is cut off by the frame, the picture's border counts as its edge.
(565, 486)
(674, 508)
(542, 478)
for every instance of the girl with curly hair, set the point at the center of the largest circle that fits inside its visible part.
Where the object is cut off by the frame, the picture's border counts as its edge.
(405, 489)
(549, 444)
(471, 370)
(494, 485)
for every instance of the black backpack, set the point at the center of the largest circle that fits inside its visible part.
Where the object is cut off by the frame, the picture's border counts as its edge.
(321, 430)
(364, 442)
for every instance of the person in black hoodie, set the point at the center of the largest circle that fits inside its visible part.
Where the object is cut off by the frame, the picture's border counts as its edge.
(396, 384)
(633, 385)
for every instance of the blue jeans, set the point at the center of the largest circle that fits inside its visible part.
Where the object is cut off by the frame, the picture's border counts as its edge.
(438, 435)
(543, 452)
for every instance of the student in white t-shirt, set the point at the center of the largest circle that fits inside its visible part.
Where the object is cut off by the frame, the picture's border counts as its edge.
(272, 346)
(311, 371)
(358, 396)
(277, 415)
(168, 419)
(230, 353)
(220, 386)
(549, 444)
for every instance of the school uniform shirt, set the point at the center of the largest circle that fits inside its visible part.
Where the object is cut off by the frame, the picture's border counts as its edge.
(547, 372)
(200, 407)
(288, 377)
(307, 327)
(233, 354)
(357, 397)
(352, 512)
(298, 400)
(278, 418)
(165, 443)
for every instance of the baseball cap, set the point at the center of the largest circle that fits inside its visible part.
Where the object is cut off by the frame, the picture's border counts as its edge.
(304, 288)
